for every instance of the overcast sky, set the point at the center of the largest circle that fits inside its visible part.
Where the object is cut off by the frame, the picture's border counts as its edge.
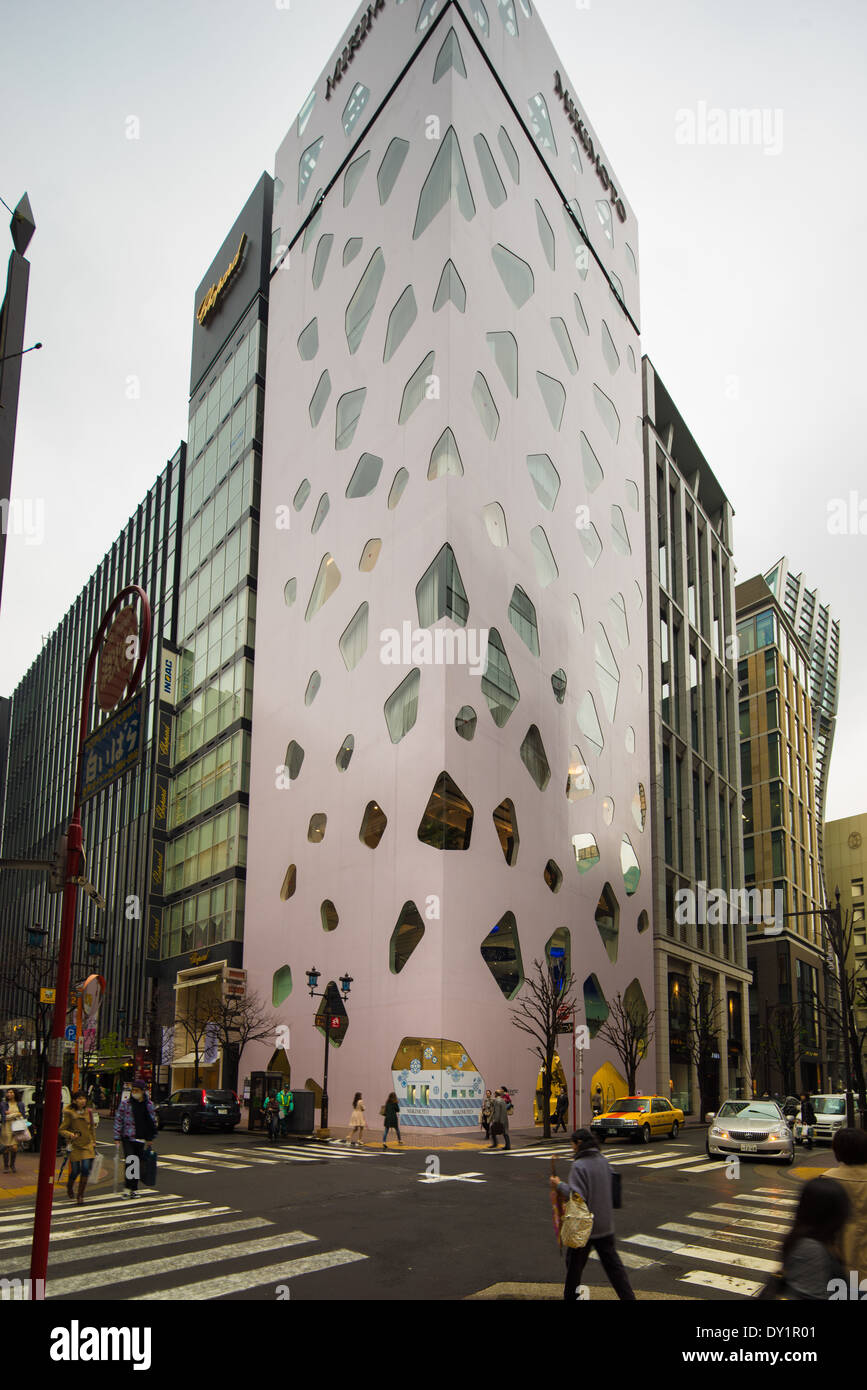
(751, 257)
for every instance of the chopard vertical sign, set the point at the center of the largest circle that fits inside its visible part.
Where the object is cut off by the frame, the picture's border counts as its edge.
(356, 39)
(216, 292)
(592, 153)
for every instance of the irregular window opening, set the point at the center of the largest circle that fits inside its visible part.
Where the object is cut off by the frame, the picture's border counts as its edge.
(543, 558)
(408, 932)
(449, 56)
(447, 179)
(322, 510)
(365, 477)
(499, 686)
(495, 524)
(440, 592)
(281, 986)
(595, 1005)
(564, 342)
(363, 301)
(316, 828)
(390, 167)
(578, 780)
(546, 235)
(588, 723)
(506, 826)
(516, 275)
(401, 707)
(327, 581)
(534, 758)
(400, 321)
(415, 389)
(294, 759)
(484, 403)
(369, 556)
(319, 399)
(349, 409)
(447, 823)
(558, 685)
(352, 177)
(540, 122)
(290, 882)
(401, 478)
(607, 918)
(306, 164)
(465, 722)
(494, 186)
(358, 99)
(504, 348)
(510, 154)
(345, 752)
(451, 289)
(373, 825)
(586, 852)
(522, 616)
(558, 953)
(501, 952)
(554, 396)
(545, 478)
(353, 643)
(320, 260)
(445, 460)
(630, 866)
(553, 876)
(308, 341)
(312, 688)
(329, 916)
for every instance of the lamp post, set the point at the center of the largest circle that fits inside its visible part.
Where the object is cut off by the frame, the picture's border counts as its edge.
(124, 656)
(326, 1018)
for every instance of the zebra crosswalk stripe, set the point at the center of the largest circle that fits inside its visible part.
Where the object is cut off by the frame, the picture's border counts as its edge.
(726, 1283)
(704, 1253)
(742, 1211)
(152, 1269)
(253, 1278)
(706, 1167)
(672, 1163)
(781, 1201)
(645, 1159)
(738, 1221)
(171, 1218)
(161, 1238)
(724, 1237)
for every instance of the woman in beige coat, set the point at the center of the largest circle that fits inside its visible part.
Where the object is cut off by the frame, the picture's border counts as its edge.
(850, 1151)
(357, 1122)
(12, 1127)
(79, 1127)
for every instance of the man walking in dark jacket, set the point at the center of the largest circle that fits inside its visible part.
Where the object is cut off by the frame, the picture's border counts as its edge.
(499, 1121)
(592, 1178)
(808, 1117)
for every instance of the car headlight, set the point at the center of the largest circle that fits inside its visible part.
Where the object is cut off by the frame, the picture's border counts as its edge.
(778, 1136)
(716, 1132)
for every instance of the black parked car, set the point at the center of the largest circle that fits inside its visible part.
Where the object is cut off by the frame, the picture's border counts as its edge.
(198, 1109)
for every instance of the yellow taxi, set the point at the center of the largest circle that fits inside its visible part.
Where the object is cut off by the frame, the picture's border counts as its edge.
(638, 1117)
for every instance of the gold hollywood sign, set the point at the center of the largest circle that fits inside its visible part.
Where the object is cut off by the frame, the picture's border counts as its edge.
(216, 292)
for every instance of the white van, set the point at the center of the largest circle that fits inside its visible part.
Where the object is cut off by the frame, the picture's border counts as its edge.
(830, 1116)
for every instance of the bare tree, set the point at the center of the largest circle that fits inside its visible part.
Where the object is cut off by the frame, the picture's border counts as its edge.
(25, 972)
(703, 1040)
(840, 1007)
(541, 1014)
(627, 1029)
(783, 1041)
(197, 1024)
(237, 1020)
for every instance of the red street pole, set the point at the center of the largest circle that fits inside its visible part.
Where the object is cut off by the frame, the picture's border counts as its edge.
(574, 1103)
(53, 1090)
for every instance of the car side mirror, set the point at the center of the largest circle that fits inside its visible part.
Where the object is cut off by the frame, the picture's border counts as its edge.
(710, 1116)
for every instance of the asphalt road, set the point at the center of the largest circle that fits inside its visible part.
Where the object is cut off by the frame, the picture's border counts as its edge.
(233, 1218)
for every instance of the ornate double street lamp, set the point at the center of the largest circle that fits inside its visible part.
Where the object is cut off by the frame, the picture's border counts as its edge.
(327, 1019)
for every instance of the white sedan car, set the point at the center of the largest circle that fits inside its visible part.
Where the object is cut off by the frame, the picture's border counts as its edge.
(750, 1128)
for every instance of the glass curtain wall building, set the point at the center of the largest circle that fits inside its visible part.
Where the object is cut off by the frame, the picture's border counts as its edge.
(700, 952)
(450, 758)
(820, 634)
(198, 872)
(119, 822)
(792, 974)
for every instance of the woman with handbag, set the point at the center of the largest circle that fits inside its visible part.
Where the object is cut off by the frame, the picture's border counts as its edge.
(591, 1179)
(13, 1128)
(389, 1114)
(79, 1127)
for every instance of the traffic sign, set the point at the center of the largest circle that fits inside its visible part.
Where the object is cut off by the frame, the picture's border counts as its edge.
(69, 1033)
(46, 996)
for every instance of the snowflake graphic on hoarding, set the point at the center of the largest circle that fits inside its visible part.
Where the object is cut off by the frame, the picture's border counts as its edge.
(415, 1065)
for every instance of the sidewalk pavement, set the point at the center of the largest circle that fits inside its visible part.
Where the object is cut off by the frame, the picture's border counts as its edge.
(22, 1183)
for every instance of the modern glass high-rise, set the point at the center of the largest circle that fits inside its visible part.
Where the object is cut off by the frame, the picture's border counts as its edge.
(791, 969)
(820, 634)
(700, 952)
(121, 824)
(451, 746)
(198, 873)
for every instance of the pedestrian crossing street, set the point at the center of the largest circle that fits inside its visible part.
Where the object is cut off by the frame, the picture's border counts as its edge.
(626, 1156)
(263, 1155)
(111, 1245)
(741, 1234)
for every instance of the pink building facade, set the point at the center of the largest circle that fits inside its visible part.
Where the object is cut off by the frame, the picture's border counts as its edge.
(450, 757)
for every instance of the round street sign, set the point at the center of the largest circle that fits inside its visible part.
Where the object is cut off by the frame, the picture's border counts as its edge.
(117, 660)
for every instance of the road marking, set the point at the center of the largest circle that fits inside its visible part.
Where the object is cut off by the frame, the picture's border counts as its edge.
(734, 1221)
(208, 1159)
(253, 1278)
(630, 1259)
(145, 1242)
(706, 1167)
(172, 1219)
(645, 1158)
(781, 1201)
(774, 1191)
(726, 1237)
(452, 1177)
(702, 1252)
(742, 1211)
(152, 1269)
(673, 1163)
(726, 1282)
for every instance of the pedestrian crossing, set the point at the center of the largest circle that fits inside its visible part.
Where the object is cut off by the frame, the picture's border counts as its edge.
(108, 1248)
(263, 1155)
(724, 1247)
(625, 1156)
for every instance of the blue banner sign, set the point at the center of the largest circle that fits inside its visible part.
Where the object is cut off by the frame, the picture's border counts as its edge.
(114, 749)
